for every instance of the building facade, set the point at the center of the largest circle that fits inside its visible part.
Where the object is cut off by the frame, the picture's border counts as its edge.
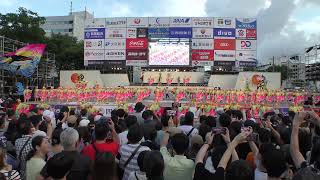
(72, 24)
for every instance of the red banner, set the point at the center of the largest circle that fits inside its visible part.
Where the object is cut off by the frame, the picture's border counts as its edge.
(137, 43)
(224, 44)
(137, 54)
(202, 55)
(251, 33)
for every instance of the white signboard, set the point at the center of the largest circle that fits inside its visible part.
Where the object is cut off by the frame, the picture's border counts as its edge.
(131, 32)
(93, 44)
(95, 23)
(246, 44)
(96, 54)
(202, 44)
(202, 33)
(202, 22)
(180, 22)
(159, 22)
(116, 33)
(224, 55)
(241, 33)
(246, 55)
(115, 54)
(137, 22)
(223, 22)
(115, 44)
(116, 22)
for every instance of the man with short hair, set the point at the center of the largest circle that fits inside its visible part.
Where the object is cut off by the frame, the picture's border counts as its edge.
(129, 121)
(139, 107)
(103, 144)
(177, 167)
(84, 118)
(81, 167)
(187, 127)
(133, 148)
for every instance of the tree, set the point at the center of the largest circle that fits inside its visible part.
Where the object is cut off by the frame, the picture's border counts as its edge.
(23, 26)
(68, 51)
(282, 69)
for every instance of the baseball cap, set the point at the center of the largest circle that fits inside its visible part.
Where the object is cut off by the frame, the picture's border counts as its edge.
(84, 123)
(72, 119)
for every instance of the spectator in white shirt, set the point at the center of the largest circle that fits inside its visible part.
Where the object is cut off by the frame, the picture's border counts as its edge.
(187, 127)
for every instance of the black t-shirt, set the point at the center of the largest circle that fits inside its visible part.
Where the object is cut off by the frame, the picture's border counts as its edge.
(201, 173)
(81, 167)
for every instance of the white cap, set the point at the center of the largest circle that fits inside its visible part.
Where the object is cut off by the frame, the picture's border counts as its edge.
(84, 123)
(97, 117)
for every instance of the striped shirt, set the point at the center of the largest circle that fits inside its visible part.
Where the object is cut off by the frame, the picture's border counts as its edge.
(125, 152)
(19, 145)
(11, 175)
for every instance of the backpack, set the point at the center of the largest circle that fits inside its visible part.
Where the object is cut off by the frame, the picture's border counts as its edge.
(98, 153)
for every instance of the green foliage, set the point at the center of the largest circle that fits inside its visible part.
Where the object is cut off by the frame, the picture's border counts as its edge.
(23, 26)
(282, 69)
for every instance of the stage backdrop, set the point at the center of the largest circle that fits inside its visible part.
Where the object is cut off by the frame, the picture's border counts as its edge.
(195, 77)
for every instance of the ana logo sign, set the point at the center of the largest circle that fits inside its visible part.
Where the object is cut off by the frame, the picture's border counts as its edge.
(140, 43)
(181, 20)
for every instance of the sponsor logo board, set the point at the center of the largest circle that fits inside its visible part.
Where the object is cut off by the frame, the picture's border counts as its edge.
(251, 33)
(180, 32)
(116, 33)
(247, 63)
(138, 43)
(224, 44)
(241, 33)
(202, 55)
(180, 21)
(97, 23)
(224, 63)
(159, 22)
(205, 33)
(137, 54)
(224, 33)
(221, 22)
(158, 32)
(142, 32)
(202, 22)
(113, 54)
(246, 44)
(115, 44)
(94, 44)
(116, 22)
(94, 33)
(137, 22)
(137, 62)
(224, 55)
(246, 23)
(131, 32)
(93, 54)
(202, 63)
(246, 55)
(202, 44)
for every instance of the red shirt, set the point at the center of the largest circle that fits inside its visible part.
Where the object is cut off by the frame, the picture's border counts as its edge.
(111, 147)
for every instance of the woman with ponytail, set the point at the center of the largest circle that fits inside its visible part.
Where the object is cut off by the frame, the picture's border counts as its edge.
(36, 157)
(154, 165)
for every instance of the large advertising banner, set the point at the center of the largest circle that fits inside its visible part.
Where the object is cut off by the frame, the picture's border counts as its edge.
(159, 22)
(202, 22)
(95, 54)
(225, 44)
(202, 33)
(93, 44)
(246, 23)
(246, 44)
(116, 22)
(202, 57)
(114, 54)
(180, 21)
(116, 33)
(158, 32)
(115, 44)
(94, 33)
(202, 44)
(138, 43)
(224, 22)
(180, 32)
(137, 22)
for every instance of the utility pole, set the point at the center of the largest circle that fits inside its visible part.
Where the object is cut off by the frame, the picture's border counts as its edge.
(273, 64)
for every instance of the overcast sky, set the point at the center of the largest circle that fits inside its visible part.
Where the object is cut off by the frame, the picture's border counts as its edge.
(284, 26)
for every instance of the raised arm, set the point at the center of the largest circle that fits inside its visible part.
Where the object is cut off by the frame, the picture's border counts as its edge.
(226, 138)
(203, 151)
(296, 155)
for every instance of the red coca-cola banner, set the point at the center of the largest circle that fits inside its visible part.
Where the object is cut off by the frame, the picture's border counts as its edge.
(202, 55)
(137, 54)
(137, 43)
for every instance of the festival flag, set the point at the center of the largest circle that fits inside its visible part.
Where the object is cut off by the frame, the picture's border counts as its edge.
(24, 61)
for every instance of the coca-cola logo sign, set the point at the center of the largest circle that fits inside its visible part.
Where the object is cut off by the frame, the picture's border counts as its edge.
(137, 43)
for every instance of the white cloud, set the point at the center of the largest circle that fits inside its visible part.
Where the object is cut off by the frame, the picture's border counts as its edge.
(7, 3)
